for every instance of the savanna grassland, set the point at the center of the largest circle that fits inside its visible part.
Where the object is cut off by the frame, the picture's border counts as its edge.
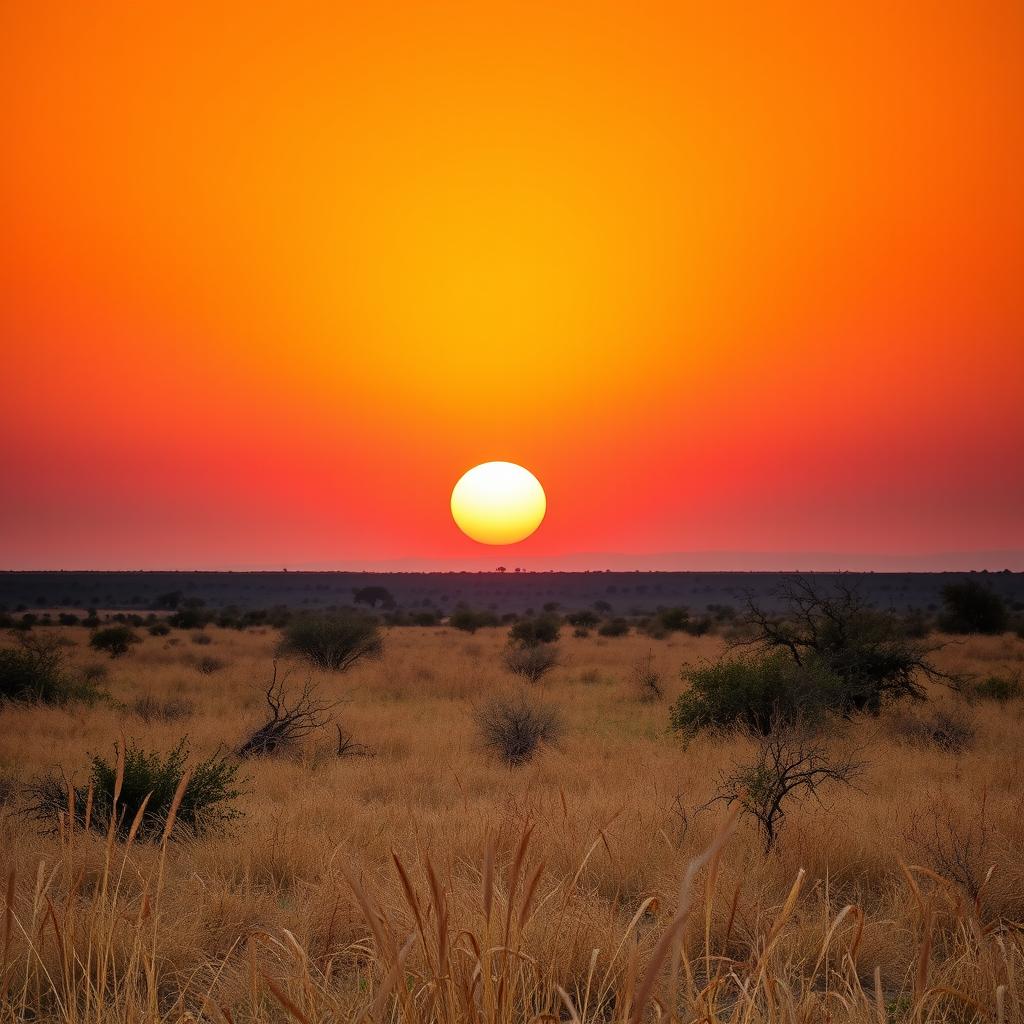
(422, 879)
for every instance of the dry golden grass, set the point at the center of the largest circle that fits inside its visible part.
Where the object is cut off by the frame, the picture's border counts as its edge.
(429, 883)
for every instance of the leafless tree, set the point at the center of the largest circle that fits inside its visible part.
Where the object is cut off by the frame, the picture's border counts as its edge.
(292, 716)
(789, 764)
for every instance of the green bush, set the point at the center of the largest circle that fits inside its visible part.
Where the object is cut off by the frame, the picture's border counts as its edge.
(114, 640)
(971, 607)
(585, 619)
(333, 641)
(205, 805)
(543, 629)
(470, 621)
(999, 688)
(36, 671)
(755, 694)
(614, 627)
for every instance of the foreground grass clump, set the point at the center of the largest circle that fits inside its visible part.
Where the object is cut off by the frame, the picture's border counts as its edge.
(137, 790)
(335, 641)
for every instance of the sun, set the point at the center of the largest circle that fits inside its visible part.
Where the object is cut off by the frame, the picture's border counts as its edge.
(498, 503)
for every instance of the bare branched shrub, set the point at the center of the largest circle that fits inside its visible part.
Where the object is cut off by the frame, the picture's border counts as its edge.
(347, 747)
(293, 716)
(646, 679)
(515, 728)
(531, 662)
(789, 764)
(958, 847)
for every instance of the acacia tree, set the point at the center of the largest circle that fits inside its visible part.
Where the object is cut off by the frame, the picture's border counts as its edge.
(834, 628)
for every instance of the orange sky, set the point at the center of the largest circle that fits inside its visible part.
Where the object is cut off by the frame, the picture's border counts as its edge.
(273, 276)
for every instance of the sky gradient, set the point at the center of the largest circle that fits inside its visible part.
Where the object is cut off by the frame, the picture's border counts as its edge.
(274, 276)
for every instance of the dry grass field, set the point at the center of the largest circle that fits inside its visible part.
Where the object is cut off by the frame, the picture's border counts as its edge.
(428, 882)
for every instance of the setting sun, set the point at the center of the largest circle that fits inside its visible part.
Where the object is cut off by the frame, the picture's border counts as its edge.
(498, 503)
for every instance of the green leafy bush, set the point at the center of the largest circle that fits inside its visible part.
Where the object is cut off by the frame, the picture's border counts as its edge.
(205, 805)
(36, 670)
(755, 694)
(114, 640)
(333, 641)
(543, 629)
(469, 621)
(971, 607)
(999, 688)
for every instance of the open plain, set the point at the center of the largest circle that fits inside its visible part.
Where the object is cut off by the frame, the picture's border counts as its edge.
(419, 878)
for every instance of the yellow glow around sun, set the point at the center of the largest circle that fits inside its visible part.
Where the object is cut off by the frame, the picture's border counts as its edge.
(498, 503)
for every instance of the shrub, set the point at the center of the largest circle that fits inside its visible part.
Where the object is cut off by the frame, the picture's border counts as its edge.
(36, 670)
(159, 629)
(941, 729)
(190, 617)
(971, 607)
(470, 621)
(532, 662)
(114, 640)
(646, 679)
(208, 665)
(205, 803)
(202, 639)
(584, 619)
(373, 596)
(514, 729)
(673, 620)
(999, 688)
(755, 694)
(614, 627)
(543, 629)
(67, 619)
(333, 641)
